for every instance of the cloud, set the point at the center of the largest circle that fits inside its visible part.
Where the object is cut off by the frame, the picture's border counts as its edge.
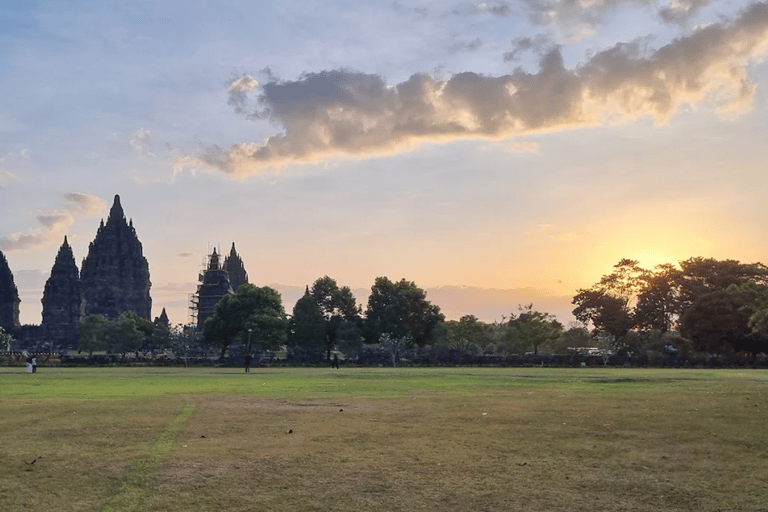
(539, 45)
(576, 15)
(340, 112)
(175, 287)
(572, 14)
(238, 90)
(7, 176)
(54, 223)
(578, 18)
(680, 11)
(466, 46)
(86, 204)
(140, 142)
(522, 146)
(498, 8)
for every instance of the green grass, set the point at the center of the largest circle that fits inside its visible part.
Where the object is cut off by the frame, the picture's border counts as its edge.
(114, 439)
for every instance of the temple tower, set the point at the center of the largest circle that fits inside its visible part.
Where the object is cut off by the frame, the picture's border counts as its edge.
(115, 274)
(162, 319)
(235, 268)
(62, 300)
(9, 298)
(214, 284)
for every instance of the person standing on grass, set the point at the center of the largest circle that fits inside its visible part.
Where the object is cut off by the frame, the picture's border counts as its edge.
(335, 362)
(34, 364)
(29, 365)
(248, 358)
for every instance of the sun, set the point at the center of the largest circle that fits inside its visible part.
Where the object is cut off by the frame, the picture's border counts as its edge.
(649, 259)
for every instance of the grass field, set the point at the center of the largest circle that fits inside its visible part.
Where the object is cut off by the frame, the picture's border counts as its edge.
(468, 439)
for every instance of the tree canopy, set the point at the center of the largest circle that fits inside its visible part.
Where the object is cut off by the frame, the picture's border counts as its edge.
(467, 335)
(400, 311)
(119, 335)
(251, 315)
(534, 328)
(719, 322)
(633, 297)
(307, 326)
(705, 298)
(338, 307)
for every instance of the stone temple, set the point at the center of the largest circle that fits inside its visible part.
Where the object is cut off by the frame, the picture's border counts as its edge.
(233, 264)
(217, 281)
(115, 274)
(9, 298)
(62, 300)
(114, 278)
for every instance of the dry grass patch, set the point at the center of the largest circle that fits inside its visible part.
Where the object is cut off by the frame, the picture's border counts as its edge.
(550, 449)
(407, 439)
(81, 450)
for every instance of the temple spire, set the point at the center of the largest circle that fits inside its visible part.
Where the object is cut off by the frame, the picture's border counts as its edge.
(233, 264)
(62, 299)
(9, 298)
(115, 273)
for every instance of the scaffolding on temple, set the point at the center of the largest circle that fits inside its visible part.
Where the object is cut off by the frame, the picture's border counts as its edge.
(214, 282)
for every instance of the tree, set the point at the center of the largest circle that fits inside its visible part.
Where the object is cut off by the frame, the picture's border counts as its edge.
(608, 303)
(122, 335)
(251, 313)
(634, 298)
(400, 311)
(574, 337)
(626, 280)
(142, 325)
(337, 305)
(349, 337)
(700, 276)
(467, 334)
(307, 326)
(92, 334)
(182, 339)
(656, 307)
(5, 339)
(718, 323)
(606, 312)
(758, 309)
(535, 328)
(118, 336)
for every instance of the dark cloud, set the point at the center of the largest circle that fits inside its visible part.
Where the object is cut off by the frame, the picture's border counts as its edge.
(680, 11)
(238, 89)
(539, 45)
(466, 46)
(342, 112)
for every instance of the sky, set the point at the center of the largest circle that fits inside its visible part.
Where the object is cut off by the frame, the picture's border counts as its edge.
(519, 148)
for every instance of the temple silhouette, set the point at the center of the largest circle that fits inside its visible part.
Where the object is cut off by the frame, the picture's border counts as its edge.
(216, 281)
(114, 278)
